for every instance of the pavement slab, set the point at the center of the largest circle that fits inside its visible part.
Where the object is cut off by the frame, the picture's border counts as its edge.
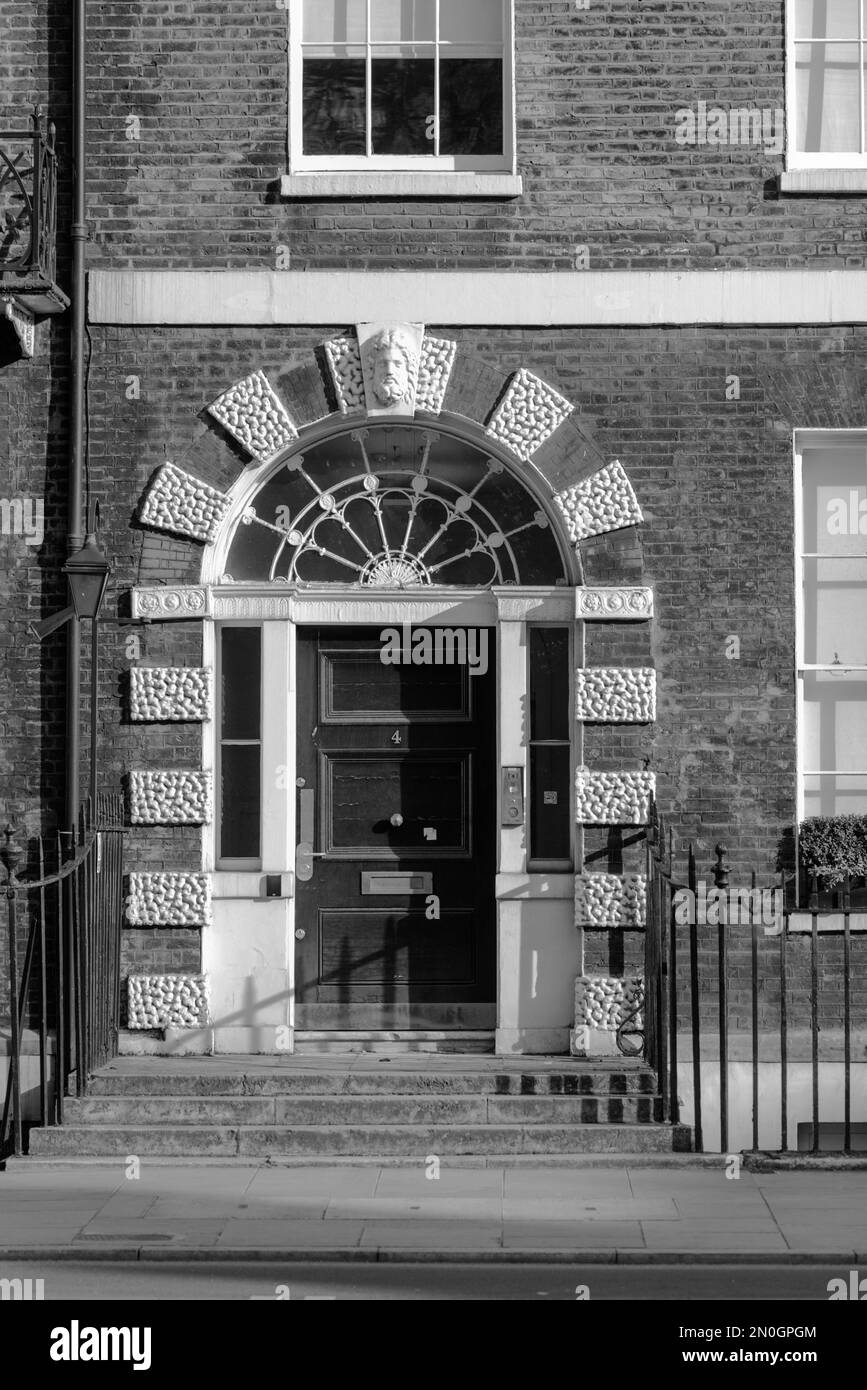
(643, 1212)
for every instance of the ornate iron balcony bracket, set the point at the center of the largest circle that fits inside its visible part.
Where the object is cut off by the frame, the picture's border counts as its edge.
(28, 218)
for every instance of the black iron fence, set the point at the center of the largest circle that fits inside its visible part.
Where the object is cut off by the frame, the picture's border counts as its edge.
(67, 979)
(754, 1008)
(28, 199)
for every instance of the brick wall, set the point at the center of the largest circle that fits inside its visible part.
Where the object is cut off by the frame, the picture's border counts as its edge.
(597, 95)
(714, 478)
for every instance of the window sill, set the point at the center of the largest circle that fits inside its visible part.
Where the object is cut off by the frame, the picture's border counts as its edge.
(823, 181)
(399, 184)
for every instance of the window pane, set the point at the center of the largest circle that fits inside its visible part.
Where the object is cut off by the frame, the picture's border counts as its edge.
(335, 21)
(239, 801)
(828, 99)
(835, 796)
(430, 520)
(835, 501)
(835, 612)
(549, 683)
(471, 106)
(240, 668)
(835, 721)
(471, 21)
(403, 105)
(334, 106)
(550, 804)
(826, 19)
(394, 20)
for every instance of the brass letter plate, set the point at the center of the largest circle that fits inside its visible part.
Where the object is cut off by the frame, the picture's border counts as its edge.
(395, 882)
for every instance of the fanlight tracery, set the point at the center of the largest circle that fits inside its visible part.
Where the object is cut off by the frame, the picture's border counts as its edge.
(395, 507)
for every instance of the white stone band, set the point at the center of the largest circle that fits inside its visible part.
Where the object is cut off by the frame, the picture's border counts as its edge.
(613, 605)
(252, 411)
(610, 900)
(167, 1001)
(603, 502)
(168, 900)
(615, 694)
(180, 503)
(528, 414)
(613, 798)
(170, 798)
(166, 693)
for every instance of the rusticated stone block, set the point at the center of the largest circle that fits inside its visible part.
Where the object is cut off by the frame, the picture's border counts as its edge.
(528, 414)
(603, 502)
(170, 798)
(252, 411)
(167, 1001)
(614, 798)
(603, 1001)
(615, 694)
(180, 503)
(165, 693)
(610, 900)
(168, 899)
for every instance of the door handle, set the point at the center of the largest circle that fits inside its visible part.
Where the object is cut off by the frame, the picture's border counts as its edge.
(304, 851)
(304, 856)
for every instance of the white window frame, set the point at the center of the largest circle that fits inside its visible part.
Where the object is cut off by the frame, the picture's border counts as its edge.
(228, 863)
(383, 165)
(813, 439)
(823, 160)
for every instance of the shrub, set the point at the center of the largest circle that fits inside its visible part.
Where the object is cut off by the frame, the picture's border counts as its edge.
(834, 846)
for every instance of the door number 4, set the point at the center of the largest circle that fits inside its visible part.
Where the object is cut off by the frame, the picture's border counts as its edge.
(396, 738)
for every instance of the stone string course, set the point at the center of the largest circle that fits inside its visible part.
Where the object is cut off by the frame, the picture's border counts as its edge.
(170, 693)
(615, 694)
(435, 368)
(252, 411)
(613, 798)
(603, 502)
(168, 900)
(603, 1001)
(528, 414)
(180, 503)
(610, 900)
(344, 359)
(613, 604)
(167, 1001)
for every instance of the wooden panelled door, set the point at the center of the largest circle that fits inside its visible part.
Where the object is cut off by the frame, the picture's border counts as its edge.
(395, 910)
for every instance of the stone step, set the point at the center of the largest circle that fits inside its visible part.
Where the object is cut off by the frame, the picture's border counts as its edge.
(275, 1141)
(372, 1109)
(600, 1081)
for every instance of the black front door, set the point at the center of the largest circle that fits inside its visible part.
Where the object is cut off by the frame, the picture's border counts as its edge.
(396, 799)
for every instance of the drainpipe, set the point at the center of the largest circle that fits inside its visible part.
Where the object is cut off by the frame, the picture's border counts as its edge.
(74, 532)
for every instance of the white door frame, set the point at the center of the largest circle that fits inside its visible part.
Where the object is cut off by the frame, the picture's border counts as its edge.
(281, 608)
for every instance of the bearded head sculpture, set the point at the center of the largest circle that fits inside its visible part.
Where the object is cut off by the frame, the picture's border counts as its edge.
(392, 363)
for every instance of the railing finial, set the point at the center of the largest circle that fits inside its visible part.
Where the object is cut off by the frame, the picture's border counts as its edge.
(721, 867)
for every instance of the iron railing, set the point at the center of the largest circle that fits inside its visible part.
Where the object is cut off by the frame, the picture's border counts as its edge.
(28, 200)
(757, 981)
(69, 981)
